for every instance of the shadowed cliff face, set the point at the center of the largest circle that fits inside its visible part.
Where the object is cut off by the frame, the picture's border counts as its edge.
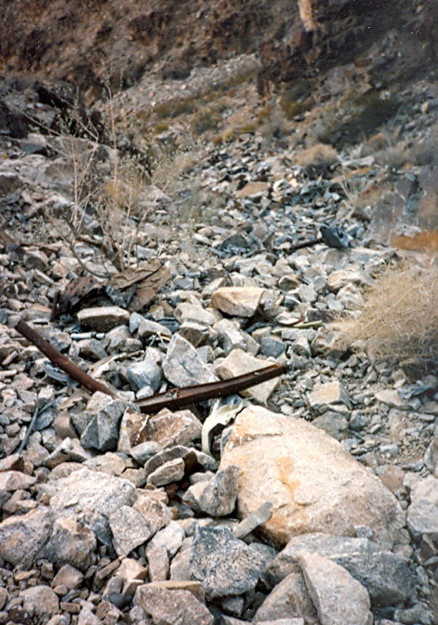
(91, 42)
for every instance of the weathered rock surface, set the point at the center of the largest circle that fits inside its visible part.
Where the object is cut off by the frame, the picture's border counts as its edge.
(423, 512)
(386, 577)
(223, 564)
(172, 606)
(237, 301)
(339, 599)
(239, 362)
(312, 482)
(71, 543)
(183, 366)
(216, 497)
(103, 318)
(22, 537)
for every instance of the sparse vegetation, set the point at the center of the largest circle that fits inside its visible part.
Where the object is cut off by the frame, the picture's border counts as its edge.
(316, 159)
(399, 320)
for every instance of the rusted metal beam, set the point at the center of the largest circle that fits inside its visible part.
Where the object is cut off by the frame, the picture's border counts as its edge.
(62, 361)
(180, 397)
(173, 399)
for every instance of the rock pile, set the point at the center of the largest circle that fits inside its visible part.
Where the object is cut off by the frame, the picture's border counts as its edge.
(318, 505)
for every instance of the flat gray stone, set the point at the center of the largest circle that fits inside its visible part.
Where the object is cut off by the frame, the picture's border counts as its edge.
(172, 607)
(224, 565)
(103, 318)
(91, 496)
(171, 471)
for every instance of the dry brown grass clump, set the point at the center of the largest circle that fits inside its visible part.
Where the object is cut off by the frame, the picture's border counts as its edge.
(316, 159)
(399, 321)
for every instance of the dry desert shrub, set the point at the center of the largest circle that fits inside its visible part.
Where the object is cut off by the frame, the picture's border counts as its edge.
(399, 321)
(316, 159)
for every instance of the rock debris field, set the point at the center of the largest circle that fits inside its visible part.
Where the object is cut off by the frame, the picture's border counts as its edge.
(313, 501)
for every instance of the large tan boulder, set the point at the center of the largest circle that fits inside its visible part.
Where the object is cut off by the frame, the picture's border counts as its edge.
(314, 484)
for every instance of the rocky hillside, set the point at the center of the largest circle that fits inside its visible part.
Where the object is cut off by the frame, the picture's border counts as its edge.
(188, 194)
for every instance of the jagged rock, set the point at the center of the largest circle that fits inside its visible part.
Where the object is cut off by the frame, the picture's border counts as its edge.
(92, 349)
(195, 333)
(15, 480)
(70, 450)
(86, 617)
(68, 576)
(103, 318)
(386, 577)
(224, 565)
(303, 469)
(283, 621)
(40, 601)
(173, 428)
(330, 393)
(171, 471)
(158, 563)
(130, 430)
(169, 538)
(179, 451)
(102, 431)
(180, 565)
(172, 607)
(70, 543)
(289, 598)
(23, 536)
(129, 529)
(183, 366)
(152, 506)
(109, 463)
(231, 337)
(144, 451)
(132, 573)
(148, 328)
(144, 373)
(423, 512)
(215, 497)
(339, 599)
(239, 362)
(187, 312)
(237, 301)
(120, 340)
